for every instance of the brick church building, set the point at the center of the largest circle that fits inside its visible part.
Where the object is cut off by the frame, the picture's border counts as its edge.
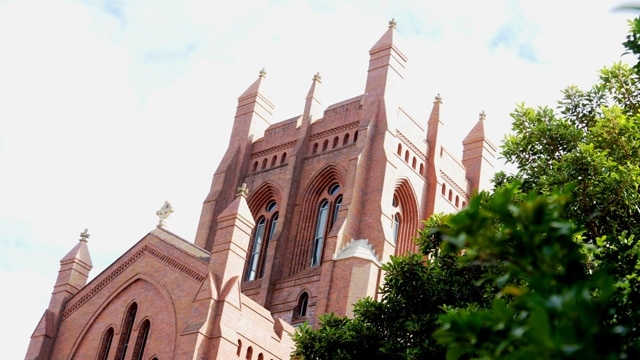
(299, 217)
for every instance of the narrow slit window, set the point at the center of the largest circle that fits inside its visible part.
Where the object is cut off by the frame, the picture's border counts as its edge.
(303, 302)
(256, 250)
(141, 342)
(321, 227)
(396, 227)
(336, 209)
(105, 344)
(127, 328)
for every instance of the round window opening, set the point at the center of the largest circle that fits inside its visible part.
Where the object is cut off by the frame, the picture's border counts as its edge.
(333, 189)
(271, 205)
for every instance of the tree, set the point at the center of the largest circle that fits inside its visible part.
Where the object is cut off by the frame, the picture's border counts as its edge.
(400, 325)
(575, 256)
(544, 267)
(592, 141)
(557, 308)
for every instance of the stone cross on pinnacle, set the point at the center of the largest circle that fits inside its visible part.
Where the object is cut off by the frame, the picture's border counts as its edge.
(84, 236)
(164, 213)
(243, 191)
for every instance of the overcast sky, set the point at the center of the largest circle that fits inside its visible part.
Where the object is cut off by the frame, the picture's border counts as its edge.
(108, 108)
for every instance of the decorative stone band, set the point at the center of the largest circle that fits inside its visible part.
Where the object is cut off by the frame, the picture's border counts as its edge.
(321, 134)
(453, 184)
(120, 269)
(274, 149)
(411, 146)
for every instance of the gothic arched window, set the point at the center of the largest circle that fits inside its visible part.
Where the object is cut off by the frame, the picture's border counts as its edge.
(321, 228)
(105, 344)
(300, 311)
(141, 342)
(396, 227)
(125, 334)
(327, 215)
(403, 218)
(336, 208)
(263, 232)
(303, 302)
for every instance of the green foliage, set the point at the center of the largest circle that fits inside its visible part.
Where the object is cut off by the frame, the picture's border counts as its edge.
(557, 310)
(589, 149)
(545, 267)
(400, 325)
(632, 44)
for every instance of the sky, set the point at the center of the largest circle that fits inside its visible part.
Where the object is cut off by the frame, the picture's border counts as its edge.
(108, 108)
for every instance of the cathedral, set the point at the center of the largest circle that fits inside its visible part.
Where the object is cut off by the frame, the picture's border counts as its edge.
(300, 215)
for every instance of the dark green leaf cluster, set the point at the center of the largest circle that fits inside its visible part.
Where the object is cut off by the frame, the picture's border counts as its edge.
(401, 324)
(557, 308)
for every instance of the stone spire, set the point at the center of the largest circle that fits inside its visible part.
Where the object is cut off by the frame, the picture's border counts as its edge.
(434, 119)
(233, 236)
(312, 106)
(72, 276)
(252, 118)
(386, 63)
(477, 132)
(478, 156)
(433, 144)
(74, 269)
(254, 111)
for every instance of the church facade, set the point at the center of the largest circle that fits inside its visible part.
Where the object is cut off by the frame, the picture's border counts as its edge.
(300, 216)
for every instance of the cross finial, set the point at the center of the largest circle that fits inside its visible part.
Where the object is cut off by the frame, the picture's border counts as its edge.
(243, 191)
(392, 23)
(84, 236)
(164, 213)
(438, 98)
(483, 115)
(263, 73)
(317, 77)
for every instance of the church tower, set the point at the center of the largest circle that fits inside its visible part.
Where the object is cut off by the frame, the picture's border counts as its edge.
(335, 191)
(300, 215)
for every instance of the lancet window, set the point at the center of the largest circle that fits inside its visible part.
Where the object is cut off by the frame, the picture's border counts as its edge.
(265, 229)
(141, 342)
(105, 344)
(127, 329)
(327, 215)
